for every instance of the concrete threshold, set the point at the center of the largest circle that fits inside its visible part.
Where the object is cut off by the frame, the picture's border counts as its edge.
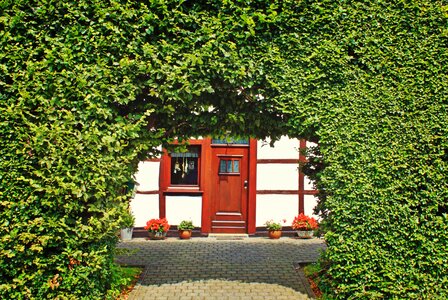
(228, 236)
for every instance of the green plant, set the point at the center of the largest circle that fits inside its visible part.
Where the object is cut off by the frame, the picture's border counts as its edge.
(90, 88)
(271, 225)
(314, 273)
(127, 220)
(186, 225)
(378, 116)
(122, 280)
(87, 90)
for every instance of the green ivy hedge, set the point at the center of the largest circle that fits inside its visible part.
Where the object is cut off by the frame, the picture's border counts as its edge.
(66, 150)
(89, 88)
(368, 81)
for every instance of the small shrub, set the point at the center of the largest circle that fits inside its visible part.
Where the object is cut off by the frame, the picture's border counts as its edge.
(127, 220)
(123, 280)
(186, 225)
(272, 225)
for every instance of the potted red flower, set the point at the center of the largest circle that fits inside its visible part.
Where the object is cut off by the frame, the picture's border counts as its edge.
(305, 226)
(157, 228)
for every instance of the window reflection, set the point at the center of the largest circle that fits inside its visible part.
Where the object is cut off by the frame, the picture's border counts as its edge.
(185, 166)
(227, 166)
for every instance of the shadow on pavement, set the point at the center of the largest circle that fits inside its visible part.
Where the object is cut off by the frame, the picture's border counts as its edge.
(253, 260)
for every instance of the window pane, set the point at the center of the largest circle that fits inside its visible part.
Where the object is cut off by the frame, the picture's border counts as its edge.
(192, 152)
(229, 166)
(222, 166)
(230, 140)
(236, 166)
(184, 167)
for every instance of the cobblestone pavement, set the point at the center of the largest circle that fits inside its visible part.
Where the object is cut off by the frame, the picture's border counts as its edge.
(207, 268)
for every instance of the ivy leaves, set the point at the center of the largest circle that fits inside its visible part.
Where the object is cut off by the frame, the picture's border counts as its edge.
(89, 88)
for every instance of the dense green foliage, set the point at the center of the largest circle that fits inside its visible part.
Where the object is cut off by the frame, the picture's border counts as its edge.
(89, 88)
(126, 278)
(368, 80)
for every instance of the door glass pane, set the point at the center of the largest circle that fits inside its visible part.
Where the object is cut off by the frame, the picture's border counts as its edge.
(236, 166)
(229, 166)
(222, 166)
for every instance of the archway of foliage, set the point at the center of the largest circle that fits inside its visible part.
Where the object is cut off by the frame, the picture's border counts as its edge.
(90, 88)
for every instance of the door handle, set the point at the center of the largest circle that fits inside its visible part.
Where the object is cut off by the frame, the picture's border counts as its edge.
(245, 184)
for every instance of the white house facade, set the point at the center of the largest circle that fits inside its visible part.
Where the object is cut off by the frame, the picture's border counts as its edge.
(225, 187)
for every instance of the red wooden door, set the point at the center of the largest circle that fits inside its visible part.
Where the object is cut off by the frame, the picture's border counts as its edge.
(229, 189)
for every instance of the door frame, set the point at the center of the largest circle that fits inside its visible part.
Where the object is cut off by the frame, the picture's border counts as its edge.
(207, 184)
(229, 194)
(204, 187)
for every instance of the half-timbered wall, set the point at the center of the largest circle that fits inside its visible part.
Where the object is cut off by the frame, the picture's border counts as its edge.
(145, 204)
(180, 208)
(280, 190)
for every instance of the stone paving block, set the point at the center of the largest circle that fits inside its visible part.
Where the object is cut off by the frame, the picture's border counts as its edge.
(201, 268)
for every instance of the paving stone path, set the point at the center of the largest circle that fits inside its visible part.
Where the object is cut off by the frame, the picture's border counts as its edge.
(207, 268)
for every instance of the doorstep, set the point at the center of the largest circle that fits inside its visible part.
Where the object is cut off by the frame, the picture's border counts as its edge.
(228, 236)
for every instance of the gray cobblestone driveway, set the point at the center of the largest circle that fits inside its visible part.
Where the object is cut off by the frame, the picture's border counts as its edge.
(207, 268)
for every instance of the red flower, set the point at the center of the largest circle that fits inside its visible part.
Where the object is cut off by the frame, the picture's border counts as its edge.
(157, 225)
(303, 222)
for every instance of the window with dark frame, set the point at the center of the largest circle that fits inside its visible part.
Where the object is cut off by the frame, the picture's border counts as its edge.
(185, 166)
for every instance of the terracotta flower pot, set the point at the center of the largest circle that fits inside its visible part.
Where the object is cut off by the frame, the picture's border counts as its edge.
(184, 234)
(274, 234)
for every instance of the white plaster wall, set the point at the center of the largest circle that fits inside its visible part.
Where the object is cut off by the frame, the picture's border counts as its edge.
(179, 208)
(310, 144)
(144, 208)
(147, 176)
(277, 177)
(308, 184)
(285, 148)
(310, 202)
(277, 208)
